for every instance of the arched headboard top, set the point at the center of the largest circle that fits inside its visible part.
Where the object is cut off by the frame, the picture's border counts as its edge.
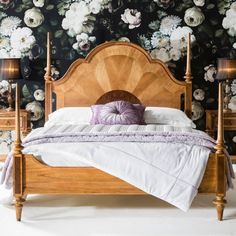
(118, 66)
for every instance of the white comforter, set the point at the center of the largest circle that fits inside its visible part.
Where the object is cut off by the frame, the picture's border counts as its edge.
(172, 172)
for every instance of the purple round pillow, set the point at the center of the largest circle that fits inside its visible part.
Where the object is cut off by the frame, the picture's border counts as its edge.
(118, 112)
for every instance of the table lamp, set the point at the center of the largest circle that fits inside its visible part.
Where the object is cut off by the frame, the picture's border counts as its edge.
(226, 71)
(10, 71)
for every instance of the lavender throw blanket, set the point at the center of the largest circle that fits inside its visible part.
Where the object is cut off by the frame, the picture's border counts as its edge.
(114, 133)
(118, 133)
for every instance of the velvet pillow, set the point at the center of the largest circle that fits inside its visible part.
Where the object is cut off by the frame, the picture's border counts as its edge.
(117, 112)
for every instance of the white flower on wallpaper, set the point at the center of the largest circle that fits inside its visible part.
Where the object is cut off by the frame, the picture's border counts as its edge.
(179, 37)
(234, 139)
(175, 54)
(78, 19)
(4, 86)
(170, 42)
(33, 17)
(199, 94)
(159, 40)
(5, 43)
(229, 21)
(199, 3)
(161, 54)
(132, 17)
(233, 87)
(22, 40)
(4, 53)
(210, 73)
(38, 3)
(36, 110)
(9, 24)
(39, 95)
(197, 110)
(194, 16)
(124, 39)
(168, 24)
(83, 42)
(232, 103)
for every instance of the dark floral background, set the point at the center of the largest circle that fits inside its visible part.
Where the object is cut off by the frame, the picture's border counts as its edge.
(159, 26)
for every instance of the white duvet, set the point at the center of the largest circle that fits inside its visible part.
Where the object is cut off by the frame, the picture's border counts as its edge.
(172, 172)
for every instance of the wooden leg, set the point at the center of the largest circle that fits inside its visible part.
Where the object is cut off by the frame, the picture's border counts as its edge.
(19, 205)
(220, 205)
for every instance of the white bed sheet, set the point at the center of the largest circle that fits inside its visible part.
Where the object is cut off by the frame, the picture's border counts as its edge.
(172, 172)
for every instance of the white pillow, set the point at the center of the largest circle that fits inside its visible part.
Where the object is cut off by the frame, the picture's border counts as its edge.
(70, 115)
(168, 116)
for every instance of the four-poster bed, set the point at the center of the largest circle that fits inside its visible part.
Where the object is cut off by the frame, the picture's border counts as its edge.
(112, 71)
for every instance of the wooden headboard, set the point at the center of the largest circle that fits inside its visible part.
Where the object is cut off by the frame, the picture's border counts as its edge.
(114, 71)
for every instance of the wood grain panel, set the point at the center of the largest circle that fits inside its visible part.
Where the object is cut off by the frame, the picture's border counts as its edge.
(43, 179)
(118, 66)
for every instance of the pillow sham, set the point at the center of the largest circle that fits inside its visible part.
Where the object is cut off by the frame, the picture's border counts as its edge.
(70, 115)
(167, 116)
(117, 112)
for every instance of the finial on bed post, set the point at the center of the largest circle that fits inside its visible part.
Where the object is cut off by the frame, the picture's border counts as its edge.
(48, 80)
(188, 80)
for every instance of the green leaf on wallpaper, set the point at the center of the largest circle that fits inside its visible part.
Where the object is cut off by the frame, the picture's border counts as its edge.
(54, 22)
(27, 3)
(25, 91)
(71, 40)
(58, 33)
(50, 7)
(18, 9)
(206, 29)
(210, 6)
(219, 33)
(231, 40)
(64, 40)
(42, 30)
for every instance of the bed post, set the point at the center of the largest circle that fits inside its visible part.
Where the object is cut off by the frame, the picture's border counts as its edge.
(220, 160)
(18, 160)
(188, 80)
(48, 80)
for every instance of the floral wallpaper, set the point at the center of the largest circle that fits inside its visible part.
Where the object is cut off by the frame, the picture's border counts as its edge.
(159, 26)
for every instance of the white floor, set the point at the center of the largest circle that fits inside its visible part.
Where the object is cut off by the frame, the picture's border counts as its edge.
(116, 216)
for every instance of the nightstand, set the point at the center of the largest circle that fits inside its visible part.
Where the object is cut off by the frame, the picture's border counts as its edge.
(7, 124)
(229, 124)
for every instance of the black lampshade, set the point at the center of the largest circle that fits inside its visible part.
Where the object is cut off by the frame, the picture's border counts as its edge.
(10, 69)
(226, 69)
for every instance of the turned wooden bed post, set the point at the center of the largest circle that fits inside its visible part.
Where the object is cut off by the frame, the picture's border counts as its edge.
(48, 80)
(220, 159)
(226, 70)
(188, 80)
(18, 160)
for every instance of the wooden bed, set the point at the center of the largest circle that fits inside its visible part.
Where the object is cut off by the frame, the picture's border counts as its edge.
(112, 71)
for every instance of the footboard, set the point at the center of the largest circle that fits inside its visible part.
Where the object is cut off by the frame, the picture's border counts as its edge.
(39, 178)
(43, 179)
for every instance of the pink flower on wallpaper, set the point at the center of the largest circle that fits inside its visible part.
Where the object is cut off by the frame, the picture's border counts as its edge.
(6, 2)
